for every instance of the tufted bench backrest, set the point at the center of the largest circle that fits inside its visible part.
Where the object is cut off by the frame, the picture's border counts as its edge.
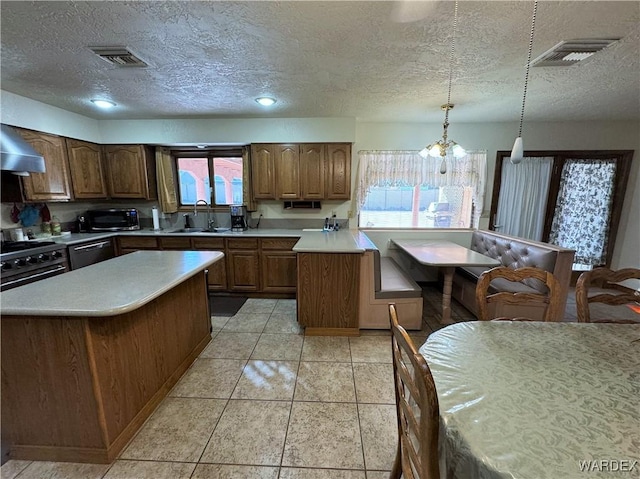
(515, 254)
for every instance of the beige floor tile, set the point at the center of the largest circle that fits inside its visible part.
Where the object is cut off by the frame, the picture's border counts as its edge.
(150, 470)
(323, 435)
(418, 339)
(218, 322)
(231, 346)
(12, 468)
(324, 381)
(62, 470)
(210, 378)
(371, 349)
(285, 322)
(375, 332)
(249, 432)
(258, 305)
(278, 346)
(379, 428)
(374, 383)
(273, 380)
(247, 322)
(177, 431)
(225, 471)
(326, 348)
(285, 306)
(377, 474)
(299, 473)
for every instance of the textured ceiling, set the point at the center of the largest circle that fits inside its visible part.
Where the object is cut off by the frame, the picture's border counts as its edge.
(321, 59)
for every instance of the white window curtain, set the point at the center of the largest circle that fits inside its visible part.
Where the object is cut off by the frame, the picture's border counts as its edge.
(524, 189)
(401, 167)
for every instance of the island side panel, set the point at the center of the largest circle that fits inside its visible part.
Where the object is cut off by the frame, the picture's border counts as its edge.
(48, 407)
(139, 356)
(328, 285)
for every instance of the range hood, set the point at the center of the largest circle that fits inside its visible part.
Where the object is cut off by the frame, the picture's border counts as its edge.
(18, 156)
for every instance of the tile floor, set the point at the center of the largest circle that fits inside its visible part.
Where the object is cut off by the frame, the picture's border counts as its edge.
(263, 401)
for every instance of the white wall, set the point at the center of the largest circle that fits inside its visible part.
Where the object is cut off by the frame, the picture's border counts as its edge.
(20, 111)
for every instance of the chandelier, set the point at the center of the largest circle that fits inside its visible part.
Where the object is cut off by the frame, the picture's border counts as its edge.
(444, 146)
(517, 152)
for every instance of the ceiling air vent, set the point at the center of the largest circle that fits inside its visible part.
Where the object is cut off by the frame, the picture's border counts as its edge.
(119, 56)
(570, 52)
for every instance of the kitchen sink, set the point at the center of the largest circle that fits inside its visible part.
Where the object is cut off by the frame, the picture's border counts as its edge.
(200, 230)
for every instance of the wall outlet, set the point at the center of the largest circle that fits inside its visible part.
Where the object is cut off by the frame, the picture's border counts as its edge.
(350, 214)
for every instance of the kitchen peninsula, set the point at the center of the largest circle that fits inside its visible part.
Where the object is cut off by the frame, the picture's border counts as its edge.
(88, 355)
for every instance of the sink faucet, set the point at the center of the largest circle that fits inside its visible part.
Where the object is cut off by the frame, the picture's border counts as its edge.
(210, 221)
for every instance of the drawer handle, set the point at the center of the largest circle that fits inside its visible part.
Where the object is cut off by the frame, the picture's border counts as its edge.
(102, 244)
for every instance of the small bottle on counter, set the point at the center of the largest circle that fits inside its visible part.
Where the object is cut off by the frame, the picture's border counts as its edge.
(45, 227)
(56, 229)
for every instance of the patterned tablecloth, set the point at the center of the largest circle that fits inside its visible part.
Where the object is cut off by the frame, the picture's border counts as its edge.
(533, 400)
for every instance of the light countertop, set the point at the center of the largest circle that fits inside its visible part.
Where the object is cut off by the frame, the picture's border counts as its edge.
(345, 241)
(112, 287)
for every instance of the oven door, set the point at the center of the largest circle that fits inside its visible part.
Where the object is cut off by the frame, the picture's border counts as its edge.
(32, 276)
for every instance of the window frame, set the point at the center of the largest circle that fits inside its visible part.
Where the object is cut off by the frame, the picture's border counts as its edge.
(209, 153)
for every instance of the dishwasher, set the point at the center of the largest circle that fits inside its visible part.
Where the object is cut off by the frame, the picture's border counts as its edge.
(90, 252)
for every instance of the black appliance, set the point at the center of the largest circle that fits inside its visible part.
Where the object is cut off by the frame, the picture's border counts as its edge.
(238, 217)
(115, 219)
(24, 262)
(82, 224)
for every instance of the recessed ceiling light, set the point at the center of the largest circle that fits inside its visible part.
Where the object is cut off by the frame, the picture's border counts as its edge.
(266, 101)
(103, 103)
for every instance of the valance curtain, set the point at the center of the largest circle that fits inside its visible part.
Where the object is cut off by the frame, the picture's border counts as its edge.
(408, 168)
(167, 193)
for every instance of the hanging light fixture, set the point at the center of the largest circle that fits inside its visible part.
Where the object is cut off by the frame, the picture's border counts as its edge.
(445, 146)
(517, 152)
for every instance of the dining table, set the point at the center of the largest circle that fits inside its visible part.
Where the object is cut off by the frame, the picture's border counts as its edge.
(447, 256)
(536, 400)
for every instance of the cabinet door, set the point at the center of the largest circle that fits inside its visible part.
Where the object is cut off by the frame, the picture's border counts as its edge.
(312, 171)
(54, 183)
(129, 244)
(279, 271)
(128, 172)
(217, 277)
(243, 270)
(287, 171)
(85, 165)
(338, 171)
(263, 174)
(179, 243)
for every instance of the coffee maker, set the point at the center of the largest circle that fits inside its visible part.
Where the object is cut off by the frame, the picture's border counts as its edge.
(238, 217)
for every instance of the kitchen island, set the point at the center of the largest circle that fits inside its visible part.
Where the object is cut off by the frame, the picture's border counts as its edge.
(88, 355)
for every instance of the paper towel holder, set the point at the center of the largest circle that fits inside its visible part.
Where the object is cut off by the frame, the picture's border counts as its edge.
(155, 218)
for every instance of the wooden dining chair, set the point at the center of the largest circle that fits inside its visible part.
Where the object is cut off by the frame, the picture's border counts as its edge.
(600, 285)
(550, 299)
(416, 406)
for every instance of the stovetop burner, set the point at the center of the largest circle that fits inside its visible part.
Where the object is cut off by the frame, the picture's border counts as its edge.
(13, 246)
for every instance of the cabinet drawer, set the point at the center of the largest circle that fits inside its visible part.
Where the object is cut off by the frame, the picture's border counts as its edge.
(175, 242)
(208, 243)
(242, 243)
(279, 243)
(137, 242)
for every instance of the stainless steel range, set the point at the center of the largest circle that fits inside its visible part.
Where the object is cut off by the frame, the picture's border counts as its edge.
(24, 262)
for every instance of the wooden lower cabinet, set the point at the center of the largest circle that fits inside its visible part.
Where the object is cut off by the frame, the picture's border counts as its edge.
(328, 285)
(217, 277)
(243, 270)
(129, 244)
(278, 264)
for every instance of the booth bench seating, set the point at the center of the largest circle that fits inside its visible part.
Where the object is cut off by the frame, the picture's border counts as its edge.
(514, 252)
(382, 282)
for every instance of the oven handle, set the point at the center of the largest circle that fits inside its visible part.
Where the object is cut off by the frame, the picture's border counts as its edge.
(102, 244)
(32, 277)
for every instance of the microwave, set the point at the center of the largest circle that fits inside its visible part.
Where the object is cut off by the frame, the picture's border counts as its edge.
(115, 219)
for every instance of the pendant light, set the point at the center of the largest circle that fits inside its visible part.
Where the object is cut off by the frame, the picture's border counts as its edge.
(517, 152)
(445, 146)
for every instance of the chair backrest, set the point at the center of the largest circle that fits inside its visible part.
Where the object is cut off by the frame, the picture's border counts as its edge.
(602, 283)
(416, 406)
(523, 295)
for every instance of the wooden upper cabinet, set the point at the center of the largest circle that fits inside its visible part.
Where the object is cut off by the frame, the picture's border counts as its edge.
(53, 184)
(312, 171)
(338, 171)
(288, 171)
(87, 172)
(130, 171)
(263, 175)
